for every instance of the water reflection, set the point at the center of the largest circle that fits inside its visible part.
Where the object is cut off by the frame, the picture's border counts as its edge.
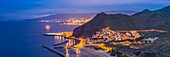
(58, 39)
(67, 52)
(68, 46)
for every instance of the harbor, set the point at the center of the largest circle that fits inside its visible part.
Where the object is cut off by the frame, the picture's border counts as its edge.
(104, 41)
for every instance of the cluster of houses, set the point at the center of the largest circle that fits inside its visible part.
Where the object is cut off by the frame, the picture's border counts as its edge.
(107, 33)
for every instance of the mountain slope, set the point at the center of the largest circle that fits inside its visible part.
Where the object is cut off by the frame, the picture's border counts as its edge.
(103, 20)
(146, 19)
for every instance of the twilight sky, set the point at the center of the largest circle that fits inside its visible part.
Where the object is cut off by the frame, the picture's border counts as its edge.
(26, 9)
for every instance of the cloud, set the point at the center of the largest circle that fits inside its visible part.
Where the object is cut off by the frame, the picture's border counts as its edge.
(105, 2)
(23, 9)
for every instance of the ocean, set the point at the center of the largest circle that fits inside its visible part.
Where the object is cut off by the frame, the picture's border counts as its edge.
(25, 39)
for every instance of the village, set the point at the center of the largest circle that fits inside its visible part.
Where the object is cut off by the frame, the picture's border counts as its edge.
(111, 42)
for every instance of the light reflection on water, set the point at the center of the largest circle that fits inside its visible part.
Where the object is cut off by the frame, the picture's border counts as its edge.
(68, 52)
(59, 39)
(25, 39)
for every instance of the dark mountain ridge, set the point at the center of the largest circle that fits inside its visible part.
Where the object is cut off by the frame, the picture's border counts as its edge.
(66, 16)
(158, 19)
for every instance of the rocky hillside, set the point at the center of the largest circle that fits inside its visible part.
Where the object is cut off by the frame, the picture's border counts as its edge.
(158, 19)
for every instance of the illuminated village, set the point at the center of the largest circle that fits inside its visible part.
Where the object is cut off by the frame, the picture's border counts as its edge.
(107, 42)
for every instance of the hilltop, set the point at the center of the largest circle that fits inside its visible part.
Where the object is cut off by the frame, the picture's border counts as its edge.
(146, 19)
